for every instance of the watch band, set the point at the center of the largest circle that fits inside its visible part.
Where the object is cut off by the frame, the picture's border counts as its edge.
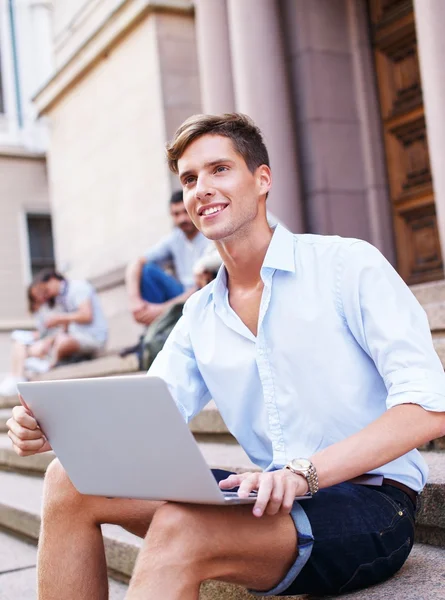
(309, 473)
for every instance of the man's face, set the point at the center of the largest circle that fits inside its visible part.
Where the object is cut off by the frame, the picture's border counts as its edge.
(181, 218)
(220, 193)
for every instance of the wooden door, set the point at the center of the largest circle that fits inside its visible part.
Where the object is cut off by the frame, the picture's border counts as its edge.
(411, 191)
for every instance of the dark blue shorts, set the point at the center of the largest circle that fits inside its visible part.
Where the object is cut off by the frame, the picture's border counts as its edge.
(349, 537)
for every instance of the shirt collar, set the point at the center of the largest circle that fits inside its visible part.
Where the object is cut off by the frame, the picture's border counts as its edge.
(279, 255)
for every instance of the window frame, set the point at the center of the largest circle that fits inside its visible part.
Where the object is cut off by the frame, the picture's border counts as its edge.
(26, 242)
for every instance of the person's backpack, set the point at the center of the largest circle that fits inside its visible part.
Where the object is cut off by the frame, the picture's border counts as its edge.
(156, 335)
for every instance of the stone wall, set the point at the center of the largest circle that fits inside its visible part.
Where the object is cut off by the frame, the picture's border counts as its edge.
(23, 189)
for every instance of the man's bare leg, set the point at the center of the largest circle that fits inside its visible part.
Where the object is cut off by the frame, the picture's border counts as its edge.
(64, 345)
(19, 354)
(71, 559)
(188, 544)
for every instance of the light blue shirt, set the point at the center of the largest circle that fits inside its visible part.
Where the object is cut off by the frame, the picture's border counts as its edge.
(184, 253)
(340, 340)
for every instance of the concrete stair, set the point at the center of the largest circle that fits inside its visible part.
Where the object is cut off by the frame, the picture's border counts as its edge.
(104, 366)
(20, 503)
(18, 560)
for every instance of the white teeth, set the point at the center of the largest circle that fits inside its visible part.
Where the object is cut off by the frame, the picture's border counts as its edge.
(211, 210)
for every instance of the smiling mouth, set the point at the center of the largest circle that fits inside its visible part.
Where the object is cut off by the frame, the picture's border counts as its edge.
(212, 210)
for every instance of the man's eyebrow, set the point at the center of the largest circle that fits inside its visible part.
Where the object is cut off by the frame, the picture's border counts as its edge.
(211, 163)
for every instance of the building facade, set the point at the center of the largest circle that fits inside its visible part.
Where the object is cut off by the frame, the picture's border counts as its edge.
(347, 92)
(25, 221)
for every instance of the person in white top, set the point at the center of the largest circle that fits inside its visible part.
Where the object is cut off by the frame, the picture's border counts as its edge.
(321, 363)
(31, 349)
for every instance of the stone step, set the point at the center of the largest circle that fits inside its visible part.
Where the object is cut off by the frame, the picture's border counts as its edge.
(18, 560)
(226, 454)
(429, 293)
(439, 346)
(8, 401)
(432, 297)
(207, 422)
(20, 505)
(5, 414)
(104, 366)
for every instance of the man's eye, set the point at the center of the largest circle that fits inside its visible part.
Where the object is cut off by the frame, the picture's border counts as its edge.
(220, 169)
(189, 180)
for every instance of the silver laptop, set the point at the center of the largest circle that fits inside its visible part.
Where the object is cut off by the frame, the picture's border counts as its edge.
(124, 437)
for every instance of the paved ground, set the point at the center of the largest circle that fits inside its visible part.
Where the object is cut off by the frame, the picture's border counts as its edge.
(18, 571)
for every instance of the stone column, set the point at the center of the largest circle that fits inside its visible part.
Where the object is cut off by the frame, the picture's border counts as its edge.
(41, 19)
(215, 67)
(378, 203)
(262, 91)
(430, 17)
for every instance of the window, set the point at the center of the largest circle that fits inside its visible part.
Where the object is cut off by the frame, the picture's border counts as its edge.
(41, 248)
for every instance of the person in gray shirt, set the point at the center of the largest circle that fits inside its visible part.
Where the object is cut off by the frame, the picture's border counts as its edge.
(150, 289)
(85, 328)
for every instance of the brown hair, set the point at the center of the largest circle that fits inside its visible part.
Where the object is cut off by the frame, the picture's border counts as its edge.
(245, 135)
(33, 305)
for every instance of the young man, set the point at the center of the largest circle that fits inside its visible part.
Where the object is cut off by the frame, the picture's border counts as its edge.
(150, 289)
(319, 359)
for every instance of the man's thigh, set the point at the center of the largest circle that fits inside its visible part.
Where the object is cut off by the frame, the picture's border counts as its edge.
(60, 495)
(226, 543)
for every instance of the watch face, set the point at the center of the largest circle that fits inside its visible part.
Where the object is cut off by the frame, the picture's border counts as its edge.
(300, 463)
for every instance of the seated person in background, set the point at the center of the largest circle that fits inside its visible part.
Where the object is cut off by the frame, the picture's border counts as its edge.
(150, 289)
(31, 349)
(79, 313)
(152, 342)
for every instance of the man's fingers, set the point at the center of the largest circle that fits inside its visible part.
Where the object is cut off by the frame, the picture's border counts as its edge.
(276, 496)
(23, 403)
(248, 484)
(231, 481)
(23, 433)
(288, 498)
(21, 415)
(26, 447)
(266, 485)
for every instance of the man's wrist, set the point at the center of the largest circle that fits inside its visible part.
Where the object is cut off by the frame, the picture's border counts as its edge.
(303, 479)
(305, 468)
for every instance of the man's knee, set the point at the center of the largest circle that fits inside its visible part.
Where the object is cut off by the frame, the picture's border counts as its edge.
(180, 531)
(60, 496)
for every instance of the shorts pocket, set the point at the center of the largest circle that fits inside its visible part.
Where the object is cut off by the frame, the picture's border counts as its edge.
(400, 510)
(379, 570)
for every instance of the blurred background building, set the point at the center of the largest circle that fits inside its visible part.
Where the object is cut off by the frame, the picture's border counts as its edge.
(349, 95)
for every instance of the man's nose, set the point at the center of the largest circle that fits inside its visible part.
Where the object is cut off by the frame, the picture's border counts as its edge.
(203, 188)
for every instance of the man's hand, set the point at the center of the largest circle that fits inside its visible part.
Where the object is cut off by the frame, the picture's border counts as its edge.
(24, 432)
(276, 489)
(141, 311)
(54, 321)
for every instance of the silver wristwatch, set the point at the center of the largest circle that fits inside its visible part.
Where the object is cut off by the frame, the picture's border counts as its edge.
(303, 466)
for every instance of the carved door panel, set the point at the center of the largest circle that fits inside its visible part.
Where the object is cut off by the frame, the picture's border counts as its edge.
(400, 91)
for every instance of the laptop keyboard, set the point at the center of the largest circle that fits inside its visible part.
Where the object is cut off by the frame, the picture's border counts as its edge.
(235, 495)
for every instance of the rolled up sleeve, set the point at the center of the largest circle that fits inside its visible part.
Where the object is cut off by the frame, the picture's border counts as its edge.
(392, 328)
(176, 365)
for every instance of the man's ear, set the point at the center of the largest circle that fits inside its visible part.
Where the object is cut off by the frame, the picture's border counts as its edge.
(264, 175)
